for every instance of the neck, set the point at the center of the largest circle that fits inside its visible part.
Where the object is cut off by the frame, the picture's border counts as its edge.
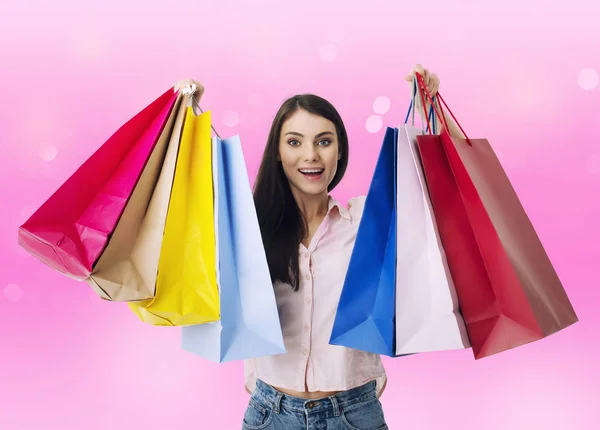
(313, 207)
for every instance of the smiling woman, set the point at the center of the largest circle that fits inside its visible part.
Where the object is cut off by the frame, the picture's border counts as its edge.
(307, 135)
(308, 238)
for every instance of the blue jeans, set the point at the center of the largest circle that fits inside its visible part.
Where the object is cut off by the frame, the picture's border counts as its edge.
(355, 409)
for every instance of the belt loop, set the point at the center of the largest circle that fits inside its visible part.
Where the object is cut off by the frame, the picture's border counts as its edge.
(335, 405)
(277, 405)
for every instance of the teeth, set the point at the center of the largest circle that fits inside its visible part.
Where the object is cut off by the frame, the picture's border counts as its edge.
(311, 170)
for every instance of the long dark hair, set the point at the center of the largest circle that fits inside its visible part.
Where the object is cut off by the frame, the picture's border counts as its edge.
(281, 222)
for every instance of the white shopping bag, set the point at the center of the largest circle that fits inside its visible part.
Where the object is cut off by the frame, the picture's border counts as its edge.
(427, 313)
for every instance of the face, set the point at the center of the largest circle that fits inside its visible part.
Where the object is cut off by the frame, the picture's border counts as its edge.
(308, 151)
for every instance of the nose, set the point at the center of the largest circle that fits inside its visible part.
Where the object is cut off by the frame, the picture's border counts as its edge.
(311, 153)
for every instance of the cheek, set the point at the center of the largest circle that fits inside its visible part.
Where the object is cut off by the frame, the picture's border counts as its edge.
(332, 158)
(288, 161)
(333, 170)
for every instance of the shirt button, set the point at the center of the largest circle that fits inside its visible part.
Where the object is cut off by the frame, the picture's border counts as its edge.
(307, 277)
(305, 351)
(306, 327)
(308, 300)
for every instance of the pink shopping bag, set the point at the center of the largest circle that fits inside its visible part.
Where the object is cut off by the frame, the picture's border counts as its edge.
(71, 229)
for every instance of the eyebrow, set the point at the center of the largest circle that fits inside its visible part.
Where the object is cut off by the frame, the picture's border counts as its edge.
(324, 133)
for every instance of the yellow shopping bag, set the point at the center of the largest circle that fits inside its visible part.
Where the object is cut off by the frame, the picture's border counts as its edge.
(186, 284)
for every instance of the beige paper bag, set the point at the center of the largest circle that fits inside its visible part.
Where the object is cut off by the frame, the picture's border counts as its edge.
(127, 269)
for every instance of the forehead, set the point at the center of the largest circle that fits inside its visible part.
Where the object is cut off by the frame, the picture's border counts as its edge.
(307, 123)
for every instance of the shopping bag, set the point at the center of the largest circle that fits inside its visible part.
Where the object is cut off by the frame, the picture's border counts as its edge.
(427, 312)
(186, 291)
(127, 269)
(364, 317)
(70, 230)
(508, 290)
(249, 325)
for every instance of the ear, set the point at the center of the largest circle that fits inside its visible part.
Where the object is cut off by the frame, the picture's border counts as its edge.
(339, 156)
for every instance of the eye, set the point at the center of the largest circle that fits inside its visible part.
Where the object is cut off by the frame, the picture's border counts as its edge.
(293, 142)
(324, 142)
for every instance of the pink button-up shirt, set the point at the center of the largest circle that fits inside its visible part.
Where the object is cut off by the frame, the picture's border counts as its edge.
(311, 363)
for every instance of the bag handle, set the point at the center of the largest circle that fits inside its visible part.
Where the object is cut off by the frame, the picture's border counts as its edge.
(411, 110)
(423, 91)
(191, 90)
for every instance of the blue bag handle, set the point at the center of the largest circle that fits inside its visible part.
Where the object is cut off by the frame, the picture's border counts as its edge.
(431, 110)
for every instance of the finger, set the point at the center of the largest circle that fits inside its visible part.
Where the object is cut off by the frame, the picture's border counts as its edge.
(429, 89)
(182, 84)
(436, 83)
(431, 82)
(426, 77)
(414, 71)
(418, 79)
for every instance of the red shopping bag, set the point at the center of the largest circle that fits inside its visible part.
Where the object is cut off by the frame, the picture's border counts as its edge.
(71, 229)
(508, 290)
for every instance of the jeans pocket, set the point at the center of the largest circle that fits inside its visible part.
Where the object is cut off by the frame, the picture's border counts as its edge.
(257, 415)
(366, 415)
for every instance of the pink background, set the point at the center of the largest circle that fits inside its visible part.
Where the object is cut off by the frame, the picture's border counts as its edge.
(523, 76)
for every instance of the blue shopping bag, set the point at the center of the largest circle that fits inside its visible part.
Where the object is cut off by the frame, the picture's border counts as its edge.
(249, 323)
(365, 314)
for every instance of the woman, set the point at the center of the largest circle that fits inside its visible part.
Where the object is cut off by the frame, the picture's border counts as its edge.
(308, 237)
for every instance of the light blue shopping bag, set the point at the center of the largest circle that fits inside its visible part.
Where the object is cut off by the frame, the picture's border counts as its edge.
(249, 325)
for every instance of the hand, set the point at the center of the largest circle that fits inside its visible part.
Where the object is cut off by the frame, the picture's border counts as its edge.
(432, 82)
(184, 83)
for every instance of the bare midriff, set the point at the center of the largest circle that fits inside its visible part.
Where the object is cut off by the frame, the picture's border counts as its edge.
(306, 394)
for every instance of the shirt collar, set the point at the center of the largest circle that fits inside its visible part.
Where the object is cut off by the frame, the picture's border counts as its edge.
(341, 209)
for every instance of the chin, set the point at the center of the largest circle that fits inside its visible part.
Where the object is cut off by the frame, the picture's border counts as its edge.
(311, 189)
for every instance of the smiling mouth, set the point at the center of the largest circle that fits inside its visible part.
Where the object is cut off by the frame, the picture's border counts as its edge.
(312, 174)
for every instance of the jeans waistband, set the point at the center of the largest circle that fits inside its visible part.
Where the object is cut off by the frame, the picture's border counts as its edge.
(277, 400)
